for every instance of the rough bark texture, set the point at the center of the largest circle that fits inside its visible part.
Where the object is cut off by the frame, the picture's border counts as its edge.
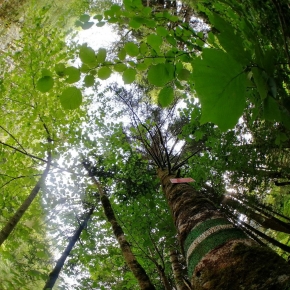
(220, 256)
(136, 268)
(55, 272)
(11, 224)
(177, 271)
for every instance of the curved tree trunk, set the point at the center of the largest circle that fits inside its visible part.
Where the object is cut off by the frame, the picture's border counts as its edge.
(13, 221)
(218, 255)
(55, 272)
(177, 271)
(137, 270)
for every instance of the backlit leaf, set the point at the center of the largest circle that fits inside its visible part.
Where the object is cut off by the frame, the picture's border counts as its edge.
(160, 74)
(154, 41)
(44, 84)
(120, 67)
(131, 49)
(104, 73)
(71, 98)
(59, 69)
(221, 87)
(166, 96)
(87, 55)
(89, 80)
(101, 55)
(122, 54)
(87, 25)
(129, 76)
(85, 18)
(73, 74)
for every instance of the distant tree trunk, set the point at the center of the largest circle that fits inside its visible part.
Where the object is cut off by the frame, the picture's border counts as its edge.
(218, 255)
(13, 221)
(177, 271)
(137, 270)
(266, 222)
(58, 267)
(163, 277)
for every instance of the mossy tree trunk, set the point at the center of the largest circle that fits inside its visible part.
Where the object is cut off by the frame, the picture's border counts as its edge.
(177, 271)
(136, 268)
(218, 255)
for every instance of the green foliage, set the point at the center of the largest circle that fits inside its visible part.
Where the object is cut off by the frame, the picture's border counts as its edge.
(129, 75)
(166, 96)
(161, 74)
(71, 98)
(104, 73)
(44, 84)
(131, 49)
(225, 94)
(87, 55)
(73, 74)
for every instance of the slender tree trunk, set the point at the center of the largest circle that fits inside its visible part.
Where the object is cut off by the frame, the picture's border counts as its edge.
(55, 272)
(266, 222)
(177, 271)
(163, 277)
(218, 255)
(13, 221)
(267, 238)
(137, 270)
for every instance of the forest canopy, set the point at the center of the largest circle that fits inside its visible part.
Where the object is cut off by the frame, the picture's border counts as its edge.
(92, 137)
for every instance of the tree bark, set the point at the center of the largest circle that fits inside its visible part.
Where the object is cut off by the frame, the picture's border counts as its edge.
(137, 270)
(55, 272)
(13, 221)
(218, 255)
(177, 271)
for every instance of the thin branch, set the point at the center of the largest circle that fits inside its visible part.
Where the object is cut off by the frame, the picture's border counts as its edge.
(23, 152)
(175, 167)
(13, 138)
(14, 178)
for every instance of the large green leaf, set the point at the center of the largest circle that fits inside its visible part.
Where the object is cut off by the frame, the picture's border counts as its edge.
(101, 55)
(131, 49)
(87, 55)
(104, 73)
(129, 76)
(71, 98)
(271, 110)
(166, 96)
(221, 86)
(73, 74)
(59, 69)
(230, 40)
(44, 84)
(89, 80)
(120, 67)
(260, 82)
(154, 41)
(85, 18)
(160, 74)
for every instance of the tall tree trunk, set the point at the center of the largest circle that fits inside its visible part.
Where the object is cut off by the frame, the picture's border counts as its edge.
(218, 255)
(137, 270)
(177, 271)
(55, 272)
(13, 221)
